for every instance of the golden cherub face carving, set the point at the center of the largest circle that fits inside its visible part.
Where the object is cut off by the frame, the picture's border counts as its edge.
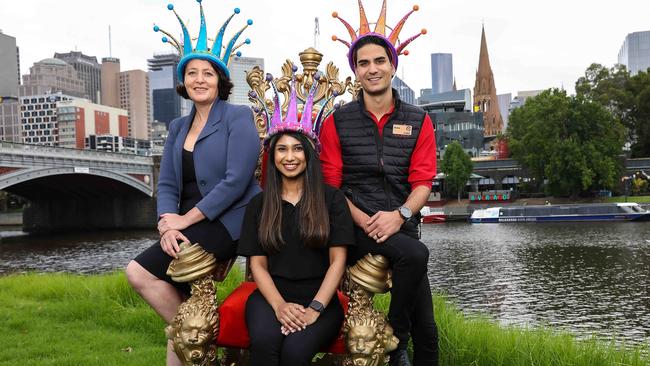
(362, 340)
(195, 332)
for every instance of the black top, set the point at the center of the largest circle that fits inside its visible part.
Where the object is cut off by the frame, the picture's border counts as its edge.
(296, 261)
(190, 195)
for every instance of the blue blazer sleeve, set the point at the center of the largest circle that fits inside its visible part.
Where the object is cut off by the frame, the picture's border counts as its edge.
(241, 159)
(168, 190)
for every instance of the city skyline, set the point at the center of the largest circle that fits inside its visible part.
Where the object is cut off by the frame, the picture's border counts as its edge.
(532, 46)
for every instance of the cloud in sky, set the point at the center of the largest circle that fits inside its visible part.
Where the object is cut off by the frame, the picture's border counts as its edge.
(532, 44)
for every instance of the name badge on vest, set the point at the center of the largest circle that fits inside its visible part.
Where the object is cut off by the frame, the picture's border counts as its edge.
(402, 130)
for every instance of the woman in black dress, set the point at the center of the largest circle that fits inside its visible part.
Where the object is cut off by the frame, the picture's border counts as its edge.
(295, 234)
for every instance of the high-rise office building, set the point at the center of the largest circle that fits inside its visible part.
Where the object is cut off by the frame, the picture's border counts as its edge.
(485, 93)
(134, 97)
(110, 74)
(128, 90)
(79, 118)
(504, 108)
(87, 69)
(9, 66)
(10, 129)
(39, 118)
(405, 92)
(165, 102)
(635, 52)
(50, 76)
(239, 66)
(442, 73)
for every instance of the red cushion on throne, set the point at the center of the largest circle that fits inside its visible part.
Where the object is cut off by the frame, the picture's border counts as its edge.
(232, 320)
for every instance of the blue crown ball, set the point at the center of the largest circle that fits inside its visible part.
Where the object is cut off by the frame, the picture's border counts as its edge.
(156, 28)
(269, 77)
(256, 110)
(238, 53)
(250, 22)
(237, 10)
(198, 1)
(252, 94)
(247, 41)
(294, 68)
(317, 76)
(335, 93)
(164, 39)
(170, 6)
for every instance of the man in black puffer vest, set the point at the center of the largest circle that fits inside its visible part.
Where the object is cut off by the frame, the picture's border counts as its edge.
(381, 152)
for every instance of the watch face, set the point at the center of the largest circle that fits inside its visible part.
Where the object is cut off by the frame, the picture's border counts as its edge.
(405, 212)
(316, 305)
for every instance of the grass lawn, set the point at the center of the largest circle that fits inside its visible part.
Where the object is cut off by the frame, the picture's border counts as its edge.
(637, 199)
(63, 319)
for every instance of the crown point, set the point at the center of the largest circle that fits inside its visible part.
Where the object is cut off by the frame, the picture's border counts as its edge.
(156, 28)
(405, 53)
(164, 39)
(198, 1)
(170, 6)
(423, 31)
(247, 41)
(238, 54)
(269, 77)
(237, 10)
(335, 15)
(317, 76)
(294, 68)
(249, 22)
(335, 93)
(335, 38)
(416, 8)
(252, 94)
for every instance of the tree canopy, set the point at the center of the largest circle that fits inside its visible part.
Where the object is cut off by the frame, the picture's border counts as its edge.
(457, 166)
(626, 97)
(571, 141)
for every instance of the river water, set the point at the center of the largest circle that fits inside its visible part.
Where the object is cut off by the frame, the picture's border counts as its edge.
(590, 279)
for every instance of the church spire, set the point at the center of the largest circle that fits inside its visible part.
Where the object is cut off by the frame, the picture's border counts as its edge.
(485, 93)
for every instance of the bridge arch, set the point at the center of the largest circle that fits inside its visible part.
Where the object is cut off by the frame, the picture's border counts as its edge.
(22, 177)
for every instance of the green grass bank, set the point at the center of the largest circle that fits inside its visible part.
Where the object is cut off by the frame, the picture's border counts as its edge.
(61, 319)
(637, 199)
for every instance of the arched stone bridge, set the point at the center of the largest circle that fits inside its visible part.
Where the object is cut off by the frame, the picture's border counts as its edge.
(71, 189)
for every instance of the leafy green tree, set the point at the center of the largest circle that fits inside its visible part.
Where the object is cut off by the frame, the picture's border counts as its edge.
(572, 142)
(626, 97)
(457, 166)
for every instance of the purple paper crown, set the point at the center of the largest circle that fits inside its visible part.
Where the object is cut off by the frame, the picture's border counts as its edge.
(306, 125)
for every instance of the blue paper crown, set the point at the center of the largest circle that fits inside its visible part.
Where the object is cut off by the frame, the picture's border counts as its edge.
(201, 51)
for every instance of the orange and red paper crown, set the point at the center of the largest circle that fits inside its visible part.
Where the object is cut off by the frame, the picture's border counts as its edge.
(392, 40)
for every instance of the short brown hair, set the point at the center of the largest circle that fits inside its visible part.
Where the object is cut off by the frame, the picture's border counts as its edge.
(224, 86)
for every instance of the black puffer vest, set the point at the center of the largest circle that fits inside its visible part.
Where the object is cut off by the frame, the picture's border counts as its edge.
(376, 168)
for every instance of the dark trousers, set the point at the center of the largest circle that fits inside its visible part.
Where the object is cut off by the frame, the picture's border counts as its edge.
(269, 347)
(411, 308)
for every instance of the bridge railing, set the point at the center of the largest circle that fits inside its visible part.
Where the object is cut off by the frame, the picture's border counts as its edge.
(64, 152)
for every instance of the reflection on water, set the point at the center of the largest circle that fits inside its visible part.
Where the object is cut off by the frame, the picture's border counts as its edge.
(587, 278)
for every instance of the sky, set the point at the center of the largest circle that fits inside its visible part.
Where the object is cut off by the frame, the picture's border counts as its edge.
(532, 44)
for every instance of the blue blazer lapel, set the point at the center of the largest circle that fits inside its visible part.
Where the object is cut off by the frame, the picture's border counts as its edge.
(214, 119)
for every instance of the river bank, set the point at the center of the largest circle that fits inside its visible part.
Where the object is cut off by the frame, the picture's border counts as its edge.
(63, 319)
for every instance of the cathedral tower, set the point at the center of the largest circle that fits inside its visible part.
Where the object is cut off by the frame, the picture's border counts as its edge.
(485, 93)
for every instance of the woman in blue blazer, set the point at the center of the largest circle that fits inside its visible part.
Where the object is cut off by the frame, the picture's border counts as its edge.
(206, 180)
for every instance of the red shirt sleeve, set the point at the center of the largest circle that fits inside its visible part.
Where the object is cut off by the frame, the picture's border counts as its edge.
(423, 161)
(330, 155)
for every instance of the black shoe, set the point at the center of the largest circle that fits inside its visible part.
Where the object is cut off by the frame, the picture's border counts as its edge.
(399, 357)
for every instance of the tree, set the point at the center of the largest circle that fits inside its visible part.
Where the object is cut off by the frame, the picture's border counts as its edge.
(626, 97)
(457, 166)
(572, 142)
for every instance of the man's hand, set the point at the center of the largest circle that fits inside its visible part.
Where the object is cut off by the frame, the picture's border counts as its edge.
(169, 242)
(383, 225)
(171, 221)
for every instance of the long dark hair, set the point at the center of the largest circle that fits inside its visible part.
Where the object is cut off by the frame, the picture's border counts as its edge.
(314, 217)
